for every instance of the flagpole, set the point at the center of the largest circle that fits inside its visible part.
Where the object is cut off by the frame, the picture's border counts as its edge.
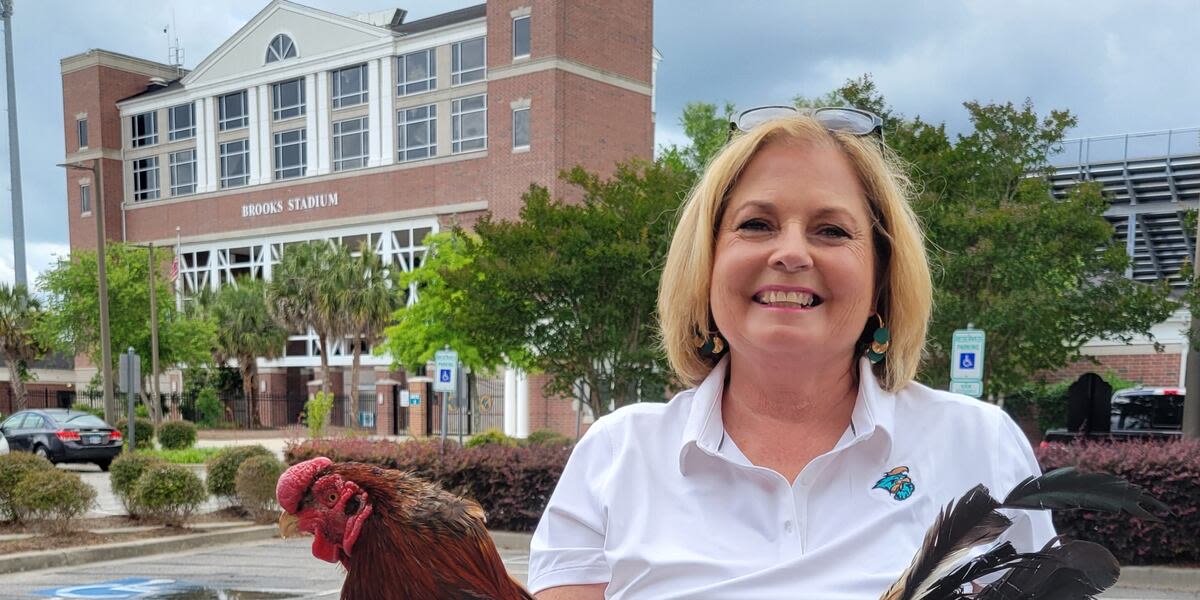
(175, 271)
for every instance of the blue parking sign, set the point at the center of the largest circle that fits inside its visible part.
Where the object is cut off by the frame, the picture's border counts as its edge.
(966, 360)
(444, 375)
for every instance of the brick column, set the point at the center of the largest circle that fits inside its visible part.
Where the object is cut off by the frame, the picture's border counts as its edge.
(386, 383)
(416, 414)
(272, 397)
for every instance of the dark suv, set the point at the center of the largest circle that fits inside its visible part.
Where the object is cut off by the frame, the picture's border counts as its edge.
(1135, 413)
(63, 436)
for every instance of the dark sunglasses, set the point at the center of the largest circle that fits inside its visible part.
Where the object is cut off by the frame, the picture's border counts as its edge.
(848, 120)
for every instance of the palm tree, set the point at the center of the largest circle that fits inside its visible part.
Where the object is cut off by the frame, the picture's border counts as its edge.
(305, 292)
(371, 294)
(20, 340)
(245, 331)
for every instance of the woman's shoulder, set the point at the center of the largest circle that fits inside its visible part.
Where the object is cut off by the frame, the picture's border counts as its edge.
(923, 407)
(647, 418)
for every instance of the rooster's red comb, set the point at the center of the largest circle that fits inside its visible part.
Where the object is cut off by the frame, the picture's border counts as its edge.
(296, 480)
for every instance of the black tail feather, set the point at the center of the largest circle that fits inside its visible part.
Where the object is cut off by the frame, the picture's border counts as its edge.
(1070, 488)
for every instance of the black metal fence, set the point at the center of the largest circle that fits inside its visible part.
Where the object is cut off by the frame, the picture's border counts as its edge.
(484, 411)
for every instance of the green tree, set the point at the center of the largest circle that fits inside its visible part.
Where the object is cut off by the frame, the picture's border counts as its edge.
(73, 312)
(244, 332)
(371, 293)
(1041, 276)
(22, 339)
(306, 292)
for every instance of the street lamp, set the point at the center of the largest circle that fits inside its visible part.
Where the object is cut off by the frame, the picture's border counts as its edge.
(110, 404)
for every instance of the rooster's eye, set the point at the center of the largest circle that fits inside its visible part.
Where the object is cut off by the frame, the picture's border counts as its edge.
(333, 498)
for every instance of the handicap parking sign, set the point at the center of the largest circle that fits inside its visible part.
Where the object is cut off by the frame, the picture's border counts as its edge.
(130, 587)
(444, 375)
(966, 360)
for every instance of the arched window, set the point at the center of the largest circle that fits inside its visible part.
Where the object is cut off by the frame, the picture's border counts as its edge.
(281, 47)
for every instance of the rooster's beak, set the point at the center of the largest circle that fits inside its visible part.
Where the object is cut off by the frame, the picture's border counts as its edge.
(288, 525)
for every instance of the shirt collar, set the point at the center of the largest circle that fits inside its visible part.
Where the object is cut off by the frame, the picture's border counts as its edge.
(875, 409)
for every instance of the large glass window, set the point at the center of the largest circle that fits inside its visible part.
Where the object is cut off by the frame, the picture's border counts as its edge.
(349, 86)
(350, 144)
(416, 72)
(145, 129)
(418, 132)
(85, 199)
(291, 158)
(232, 111)
(181, 122)
(469, 124)
(281, 47)
(521, 128)
(235, 163)
(521, 37)
(469, 61)
(145, 179)
(81, 132)
(183, 172)
(287, 99)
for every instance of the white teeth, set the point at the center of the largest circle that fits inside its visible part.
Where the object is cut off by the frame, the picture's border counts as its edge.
(782, 297)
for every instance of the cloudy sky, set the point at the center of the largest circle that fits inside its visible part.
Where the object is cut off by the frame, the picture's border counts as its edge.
(1120, 66)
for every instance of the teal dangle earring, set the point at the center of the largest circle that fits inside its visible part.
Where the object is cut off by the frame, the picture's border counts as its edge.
(711, 347)
(881, 341)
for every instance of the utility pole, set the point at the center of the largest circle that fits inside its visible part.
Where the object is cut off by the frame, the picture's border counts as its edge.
(1191, 402)
(156, 402)
(14, 148)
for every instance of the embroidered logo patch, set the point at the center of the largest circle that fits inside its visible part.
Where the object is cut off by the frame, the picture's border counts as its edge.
(897, 483)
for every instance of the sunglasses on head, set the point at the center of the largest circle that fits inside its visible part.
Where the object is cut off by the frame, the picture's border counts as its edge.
(834, 118)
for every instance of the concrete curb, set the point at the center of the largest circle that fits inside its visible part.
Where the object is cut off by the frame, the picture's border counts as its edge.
(1160, 578)
(511, 540)
(66, 557)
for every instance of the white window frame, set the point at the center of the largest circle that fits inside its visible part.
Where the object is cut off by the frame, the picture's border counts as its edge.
(408, 87)
(280, 112)
(457, 141)
(341, 98)
(176, 166)
(298, 169)
(149, 135)
(528, 128)
(460, 76)
(177, 131)
(280, 48)
(342, 162)
(149, 165)
(410, 152)
(227, 123)
(224, 154)
(528, 41)
(81, 132)
(85, 198)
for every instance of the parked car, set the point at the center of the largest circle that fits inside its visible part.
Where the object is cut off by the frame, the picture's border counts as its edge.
(3, 445)
(1135, 413)
(63, 436)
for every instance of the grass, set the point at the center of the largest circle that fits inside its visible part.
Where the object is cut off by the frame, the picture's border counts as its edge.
(190, 456)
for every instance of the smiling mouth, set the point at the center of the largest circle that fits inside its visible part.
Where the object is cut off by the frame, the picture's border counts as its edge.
(782, 299)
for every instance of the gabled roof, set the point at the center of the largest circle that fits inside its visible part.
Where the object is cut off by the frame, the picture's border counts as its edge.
(461, 15)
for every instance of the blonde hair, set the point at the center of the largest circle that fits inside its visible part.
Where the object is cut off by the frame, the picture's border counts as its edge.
(905, 293)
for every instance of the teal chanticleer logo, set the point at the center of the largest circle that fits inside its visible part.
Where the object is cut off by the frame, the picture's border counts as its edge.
(897, 483)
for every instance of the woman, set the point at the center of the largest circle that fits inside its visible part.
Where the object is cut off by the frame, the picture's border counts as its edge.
(805, 462)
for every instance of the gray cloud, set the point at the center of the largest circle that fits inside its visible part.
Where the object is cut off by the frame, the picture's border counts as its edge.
(1119, 66)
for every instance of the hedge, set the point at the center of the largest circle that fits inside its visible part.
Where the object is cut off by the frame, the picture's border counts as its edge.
(15, 467)
(54, 497)
(255, 484)
(170, 493)
(513, 485)
(177, 435)
(1168, 470)
(222, 469)
(142, 428)
(124, 474)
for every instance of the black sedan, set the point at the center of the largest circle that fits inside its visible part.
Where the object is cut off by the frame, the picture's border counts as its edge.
(63, 436)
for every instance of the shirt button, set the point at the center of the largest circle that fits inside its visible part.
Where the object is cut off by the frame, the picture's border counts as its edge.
(787, 526)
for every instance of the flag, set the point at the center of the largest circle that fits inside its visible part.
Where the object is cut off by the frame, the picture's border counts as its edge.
(175, 268)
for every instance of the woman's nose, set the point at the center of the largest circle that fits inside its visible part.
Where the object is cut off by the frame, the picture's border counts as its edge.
(792, 251)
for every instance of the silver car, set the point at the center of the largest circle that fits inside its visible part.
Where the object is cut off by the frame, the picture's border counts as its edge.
(3, 444)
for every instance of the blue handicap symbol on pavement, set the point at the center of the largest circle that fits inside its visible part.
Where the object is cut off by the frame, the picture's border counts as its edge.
(966, 360)
(444, 375)
(118, 589)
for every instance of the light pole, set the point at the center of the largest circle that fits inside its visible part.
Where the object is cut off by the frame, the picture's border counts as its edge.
(110, 404)
(1191, 400)
(14, 148)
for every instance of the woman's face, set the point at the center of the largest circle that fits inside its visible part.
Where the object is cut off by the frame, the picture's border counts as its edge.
(794, 263)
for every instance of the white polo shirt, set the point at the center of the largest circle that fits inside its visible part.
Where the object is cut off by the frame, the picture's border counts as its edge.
(657, 501)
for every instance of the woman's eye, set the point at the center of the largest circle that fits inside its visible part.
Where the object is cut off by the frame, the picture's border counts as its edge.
(755, 225)
(834, 231)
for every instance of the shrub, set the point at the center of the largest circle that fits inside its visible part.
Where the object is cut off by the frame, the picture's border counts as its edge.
(123, 476)
(170, 493)
(177, 435)
(53, 496)
(255, 484)
(14, 467)
(316, 413)
(512, 484)
(141, 412)
(491, 436)
(547, 437)
(223, 468)
(1167, 470)
(208, 408)
(187, 456)
(142, 428)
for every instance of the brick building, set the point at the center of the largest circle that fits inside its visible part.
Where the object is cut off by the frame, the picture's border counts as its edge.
(308, 125)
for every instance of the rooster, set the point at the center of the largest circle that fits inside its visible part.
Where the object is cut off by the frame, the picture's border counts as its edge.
(397, 536)
(1061, 570)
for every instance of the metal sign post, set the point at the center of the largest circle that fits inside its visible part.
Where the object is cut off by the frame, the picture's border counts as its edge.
(444, 382)
(966, 361)
(129, 376)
